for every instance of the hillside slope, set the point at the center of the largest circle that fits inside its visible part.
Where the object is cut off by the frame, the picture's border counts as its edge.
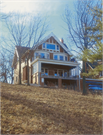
(33, 110)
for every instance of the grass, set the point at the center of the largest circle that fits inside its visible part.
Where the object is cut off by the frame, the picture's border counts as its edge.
(33, 110)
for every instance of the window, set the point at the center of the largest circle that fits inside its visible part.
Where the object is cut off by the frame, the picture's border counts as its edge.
(60, 73)
(65, 73)
(50, 46)
(57, 47)
(61, 57)
(46, 71)
(55, 57)
(55, 73)
(65, 58)
(47, 55)
(42, 55)
(43, 45)
(36, 55)
(42, 70)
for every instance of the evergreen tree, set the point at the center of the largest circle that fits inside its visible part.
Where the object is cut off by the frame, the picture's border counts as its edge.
(95, 53)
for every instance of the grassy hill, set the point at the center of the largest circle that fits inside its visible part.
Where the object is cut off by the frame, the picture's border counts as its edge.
(33, 110)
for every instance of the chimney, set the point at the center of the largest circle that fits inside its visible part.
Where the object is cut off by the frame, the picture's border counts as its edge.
(61, 40)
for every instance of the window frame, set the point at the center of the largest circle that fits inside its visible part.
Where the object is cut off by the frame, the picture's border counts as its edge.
(37, 55)
(47, 54)
(44, 55)
(57, 47)
(54, 56)
(43, 45)
(60, 56)
(47, 71)
(51, 45)
(65, 58)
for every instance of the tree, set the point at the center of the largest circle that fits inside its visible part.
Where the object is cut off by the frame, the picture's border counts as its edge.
(6, 72)
(77, 29)
(95, 53)
(24, 30)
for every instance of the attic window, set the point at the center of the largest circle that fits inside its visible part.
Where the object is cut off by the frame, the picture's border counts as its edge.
(57, 47)
(51, 46)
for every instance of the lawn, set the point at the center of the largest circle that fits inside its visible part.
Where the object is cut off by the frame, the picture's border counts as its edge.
(35, 110)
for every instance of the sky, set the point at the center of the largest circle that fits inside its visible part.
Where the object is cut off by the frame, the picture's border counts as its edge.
(54, 9)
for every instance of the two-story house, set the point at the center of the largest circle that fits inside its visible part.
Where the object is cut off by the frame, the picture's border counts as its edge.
(50, 64)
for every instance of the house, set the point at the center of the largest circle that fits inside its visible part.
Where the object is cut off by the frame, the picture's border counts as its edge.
(90, 66)
(49, 62)
(94, 82)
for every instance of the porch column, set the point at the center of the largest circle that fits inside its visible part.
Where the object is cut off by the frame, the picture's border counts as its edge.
(59, 83)
(39, 72)
(78, 78)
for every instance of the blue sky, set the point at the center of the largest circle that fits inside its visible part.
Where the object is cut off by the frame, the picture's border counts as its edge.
(54, 9)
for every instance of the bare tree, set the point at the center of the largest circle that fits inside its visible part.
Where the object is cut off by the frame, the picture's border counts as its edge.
(6, 71)
(78, 34)
(24, 30)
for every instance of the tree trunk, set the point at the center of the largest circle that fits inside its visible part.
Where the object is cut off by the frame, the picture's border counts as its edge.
(28, 71)
(19, 70)
(12, 77)
(84, 81)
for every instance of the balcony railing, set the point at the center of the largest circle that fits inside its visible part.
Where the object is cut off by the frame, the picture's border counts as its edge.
(57, 76)
(43, 57)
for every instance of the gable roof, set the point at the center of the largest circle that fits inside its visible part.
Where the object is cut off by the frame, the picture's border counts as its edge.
(92, 65)
(64, 46)
(21, 49)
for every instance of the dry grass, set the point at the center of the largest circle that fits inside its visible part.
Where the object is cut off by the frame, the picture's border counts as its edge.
(33, 110)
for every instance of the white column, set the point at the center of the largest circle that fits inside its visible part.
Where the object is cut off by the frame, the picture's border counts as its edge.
(39, 70)
(78, 75)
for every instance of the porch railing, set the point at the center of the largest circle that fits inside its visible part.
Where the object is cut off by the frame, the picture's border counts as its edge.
(57, 76)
